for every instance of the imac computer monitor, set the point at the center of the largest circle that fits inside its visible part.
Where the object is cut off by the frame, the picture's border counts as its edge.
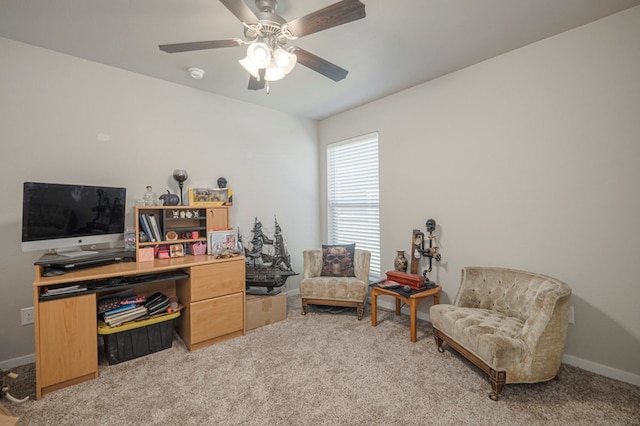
(62, 218)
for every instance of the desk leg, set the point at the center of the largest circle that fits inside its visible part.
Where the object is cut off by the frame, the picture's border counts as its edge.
(436, 299)
(374, 308)
(398, 306)
(414, 307)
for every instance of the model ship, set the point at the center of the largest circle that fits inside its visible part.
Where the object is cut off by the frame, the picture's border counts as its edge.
(268, 263)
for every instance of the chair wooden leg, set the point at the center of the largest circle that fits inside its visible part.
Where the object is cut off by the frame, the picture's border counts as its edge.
(360, 309)
(497, 379)
(304, 306)
(438, 341)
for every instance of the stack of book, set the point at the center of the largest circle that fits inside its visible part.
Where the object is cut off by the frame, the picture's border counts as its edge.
(151, 227)
(124, 313)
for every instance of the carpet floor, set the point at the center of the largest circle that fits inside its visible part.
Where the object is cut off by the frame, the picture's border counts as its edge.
(321, 368)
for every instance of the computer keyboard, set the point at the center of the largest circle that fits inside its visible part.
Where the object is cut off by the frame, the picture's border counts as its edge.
(86, 263)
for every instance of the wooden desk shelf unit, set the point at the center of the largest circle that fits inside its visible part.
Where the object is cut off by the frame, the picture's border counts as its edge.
(66, 339)
(182, 220)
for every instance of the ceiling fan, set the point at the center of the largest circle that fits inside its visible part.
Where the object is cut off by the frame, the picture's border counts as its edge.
(268, 58)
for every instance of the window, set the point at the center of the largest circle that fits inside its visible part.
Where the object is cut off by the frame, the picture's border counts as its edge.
(353, 196)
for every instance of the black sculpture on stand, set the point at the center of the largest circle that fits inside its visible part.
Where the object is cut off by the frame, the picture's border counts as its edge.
(180, 175)
(419, 250)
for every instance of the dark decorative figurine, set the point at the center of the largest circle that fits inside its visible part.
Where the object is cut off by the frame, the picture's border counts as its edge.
(170, 199)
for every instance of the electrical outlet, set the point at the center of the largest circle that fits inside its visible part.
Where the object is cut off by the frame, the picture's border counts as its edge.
(26, 315)
(572, 318)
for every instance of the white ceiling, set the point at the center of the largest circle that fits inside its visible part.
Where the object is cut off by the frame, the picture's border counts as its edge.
(399, 44)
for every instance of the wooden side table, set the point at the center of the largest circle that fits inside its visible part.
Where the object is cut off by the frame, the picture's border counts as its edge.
(412, 300)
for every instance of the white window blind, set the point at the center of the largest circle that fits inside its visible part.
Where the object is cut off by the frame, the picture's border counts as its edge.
(353, 196)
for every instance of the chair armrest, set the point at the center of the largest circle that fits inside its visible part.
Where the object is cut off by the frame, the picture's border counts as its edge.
(312, 263)
(547, 323)
(361, 265)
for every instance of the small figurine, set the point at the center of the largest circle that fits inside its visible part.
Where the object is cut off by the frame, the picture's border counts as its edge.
(150, 198)
(222, 182)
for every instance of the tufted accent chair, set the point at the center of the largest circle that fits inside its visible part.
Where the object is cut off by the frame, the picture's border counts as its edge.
(335, 291)
(511, 324)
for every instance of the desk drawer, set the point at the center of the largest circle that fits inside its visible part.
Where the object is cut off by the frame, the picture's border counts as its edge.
(216, 317)
(217, 279)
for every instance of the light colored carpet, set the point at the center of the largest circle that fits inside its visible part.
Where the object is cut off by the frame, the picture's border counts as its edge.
(328, 369)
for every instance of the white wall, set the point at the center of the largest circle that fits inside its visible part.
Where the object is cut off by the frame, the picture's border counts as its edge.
(530, 160)
(53, 108)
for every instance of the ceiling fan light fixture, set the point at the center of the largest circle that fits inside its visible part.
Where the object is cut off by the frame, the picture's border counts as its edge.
(248, 65)
(285, 60)
(274, 72)
(259, 54)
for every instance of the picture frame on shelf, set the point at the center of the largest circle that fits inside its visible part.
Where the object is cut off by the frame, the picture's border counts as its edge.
(226, 238)
(176, 250)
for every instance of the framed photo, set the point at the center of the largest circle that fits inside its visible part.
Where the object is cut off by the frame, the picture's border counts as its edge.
(176, 250)
(227, 239)
(210, 197)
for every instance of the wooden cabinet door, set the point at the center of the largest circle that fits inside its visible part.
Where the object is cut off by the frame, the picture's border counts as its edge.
(217, 218)
(216, 317)
(68, 343)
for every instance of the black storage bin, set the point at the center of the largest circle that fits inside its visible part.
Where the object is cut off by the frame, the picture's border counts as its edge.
(136, 339)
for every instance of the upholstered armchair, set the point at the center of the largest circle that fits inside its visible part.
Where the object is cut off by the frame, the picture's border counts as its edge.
(350, 291)
(511, 324)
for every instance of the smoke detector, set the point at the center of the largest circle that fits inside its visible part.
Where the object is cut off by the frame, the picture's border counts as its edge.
(196, 73)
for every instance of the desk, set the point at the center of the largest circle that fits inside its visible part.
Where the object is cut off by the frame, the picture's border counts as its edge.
(412, 300)
(211, 290)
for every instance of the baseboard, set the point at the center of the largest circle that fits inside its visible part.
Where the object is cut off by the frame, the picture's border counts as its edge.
(404, 310)
(293, 292)
(603, 370)
(17, 362)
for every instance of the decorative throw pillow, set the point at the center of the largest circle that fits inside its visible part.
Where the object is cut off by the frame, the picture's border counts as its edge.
(337, 260)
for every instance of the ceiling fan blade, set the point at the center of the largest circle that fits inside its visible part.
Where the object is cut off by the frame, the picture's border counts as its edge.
(329, 17)
(320, 65)
(254, 83)
(241, 11)
(200, 45)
